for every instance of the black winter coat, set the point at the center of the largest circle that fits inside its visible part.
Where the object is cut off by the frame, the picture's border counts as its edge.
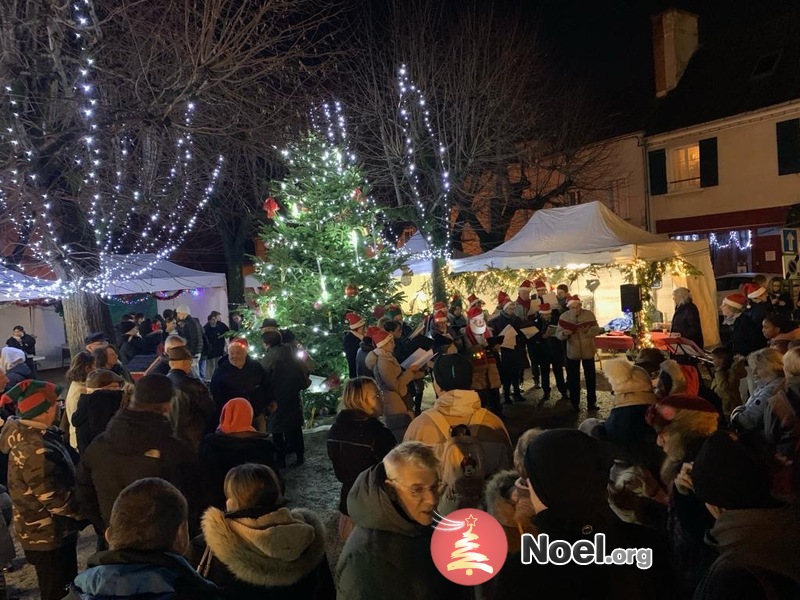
(132, 346)
(93, 414)
(355, 443)
(512, 360)
(249, 382)
(217, 342)
(362, 370)
(351, 342)
(285, 378)
(746, 336)
(191, 329)
(516, 580)
(686, 321)
(135, 445)
(220, 452)
(194, 406)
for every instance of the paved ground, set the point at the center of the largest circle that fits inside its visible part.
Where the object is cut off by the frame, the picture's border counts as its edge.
(314, 486)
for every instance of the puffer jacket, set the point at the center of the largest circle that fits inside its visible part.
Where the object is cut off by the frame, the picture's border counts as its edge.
(384, 544)
(458, 407)
(117, 574)
(579, 331)
(41, 483)
(750, 417)
(356, 442)
(398, 406)
(279, 555)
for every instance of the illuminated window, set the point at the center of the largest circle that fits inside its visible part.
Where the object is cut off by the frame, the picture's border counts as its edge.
(684, 168)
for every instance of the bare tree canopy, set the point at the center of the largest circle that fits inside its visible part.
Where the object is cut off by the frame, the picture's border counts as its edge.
(515, 133)
(106, 105)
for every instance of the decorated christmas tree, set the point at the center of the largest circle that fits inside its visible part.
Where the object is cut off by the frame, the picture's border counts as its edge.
(325, 256)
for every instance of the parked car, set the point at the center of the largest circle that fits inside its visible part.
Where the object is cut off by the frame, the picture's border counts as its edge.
(733, 282)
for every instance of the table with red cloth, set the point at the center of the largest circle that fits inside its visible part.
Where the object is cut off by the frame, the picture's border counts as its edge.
(616, 341)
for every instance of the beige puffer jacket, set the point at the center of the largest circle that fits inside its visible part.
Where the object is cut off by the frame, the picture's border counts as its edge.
(579, 331)
(393, 382)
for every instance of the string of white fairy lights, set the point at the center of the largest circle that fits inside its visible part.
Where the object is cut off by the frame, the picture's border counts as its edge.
(117, 213)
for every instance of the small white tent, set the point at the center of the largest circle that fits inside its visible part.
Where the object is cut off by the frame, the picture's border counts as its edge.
(590, 234)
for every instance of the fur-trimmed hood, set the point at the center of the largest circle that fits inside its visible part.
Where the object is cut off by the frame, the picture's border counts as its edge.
(274, 550)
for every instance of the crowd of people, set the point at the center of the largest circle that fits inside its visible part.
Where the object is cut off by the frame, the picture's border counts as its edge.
(181, 474)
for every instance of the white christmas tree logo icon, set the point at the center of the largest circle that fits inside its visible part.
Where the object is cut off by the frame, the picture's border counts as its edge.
(464, 554)
(468, 546)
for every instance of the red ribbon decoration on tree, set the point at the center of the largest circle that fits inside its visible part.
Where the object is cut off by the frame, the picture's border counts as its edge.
(270, 207)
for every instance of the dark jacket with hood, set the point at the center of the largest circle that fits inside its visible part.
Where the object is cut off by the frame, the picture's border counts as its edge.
(286, 377)
(194, 405)
(746, 336)
(220, 452)
(758, 555)
(93, 414)
(385, 545)
(571, 580)
(130, 574)
(356, 442)
(135, 445)
(278, 555)
(362, 370)
(249, 382)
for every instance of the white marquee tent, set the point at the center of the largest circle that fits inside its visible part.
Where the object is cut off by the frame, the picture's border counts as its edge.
(590, 234)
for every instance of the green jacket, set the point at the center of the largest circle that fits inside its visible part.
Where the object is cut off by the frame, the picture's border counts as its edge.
(41, 483)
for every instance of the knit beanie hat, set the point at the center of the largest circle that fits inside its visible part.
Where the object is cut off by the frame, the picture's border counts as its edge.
(153, 389)
(236, 417)
(32, 397)
(453, 372)
(568, 470)
(727, 474)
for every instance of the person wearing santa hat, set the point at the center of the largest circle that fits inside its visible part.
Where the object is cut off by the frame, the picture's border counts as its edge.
(744, 335)
(541, 288)
(456, 314)
(758, 305)
(512, 360)
(485, 374)
(526, 309)
(578, 327)
(393, 381)
(438, 306)
(352, 340)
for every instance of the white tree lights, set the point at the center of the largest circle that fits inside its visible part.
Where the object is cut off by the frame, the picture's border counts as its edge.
(83, 182)
(431, 197)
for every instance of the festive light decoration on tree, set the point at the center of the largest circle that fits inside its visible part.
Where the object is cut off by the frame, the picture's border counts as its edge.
(130, 196)
(431, 198)
(315, 267)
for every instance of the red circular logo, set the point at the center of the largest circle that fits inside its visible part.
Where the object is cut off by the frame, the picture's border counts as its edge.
(469, 546)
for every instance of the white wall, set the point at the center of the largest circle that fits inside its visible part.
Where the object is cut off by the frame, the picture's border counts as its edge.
(41, 321)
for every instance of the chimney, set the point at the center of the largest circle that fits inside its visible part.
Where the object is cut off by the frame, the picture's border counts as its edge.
(674, 43)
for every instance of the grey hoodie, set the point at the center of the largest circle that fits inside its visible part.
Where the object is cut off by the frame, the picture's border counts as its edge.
(387, 548)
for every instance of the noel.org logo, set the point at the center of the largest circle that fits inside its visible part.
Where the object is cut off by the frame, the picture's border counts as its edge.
(468, 546)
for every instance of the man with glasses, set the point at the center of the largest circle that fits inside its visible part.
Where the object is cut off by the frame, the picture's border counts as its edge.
(393, 506)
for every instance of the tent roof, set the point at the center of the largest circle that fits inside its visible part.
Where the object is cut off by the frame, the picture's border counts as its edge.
(162, 276)
(16, 286)
(585, 234)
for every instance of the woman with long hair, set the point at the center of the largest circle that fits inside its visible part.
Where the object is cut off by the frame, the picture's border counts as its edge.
(80, 367)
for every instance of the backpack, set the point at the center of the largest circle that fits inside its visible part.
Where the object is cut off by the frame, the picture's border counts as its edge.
(462, 463)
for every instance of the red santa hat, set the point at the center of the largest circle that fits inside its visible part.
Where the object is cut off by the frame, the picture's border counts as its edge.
(754, 291)
(240, 341)
(539, 284)
(503, 299)
(474, 311)
(380, 337)
(439, 306)
(526, 285)
(440, 316)
(573, 300)
(354, 321)
(473, 300)
(736, 301)
(544, 308)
